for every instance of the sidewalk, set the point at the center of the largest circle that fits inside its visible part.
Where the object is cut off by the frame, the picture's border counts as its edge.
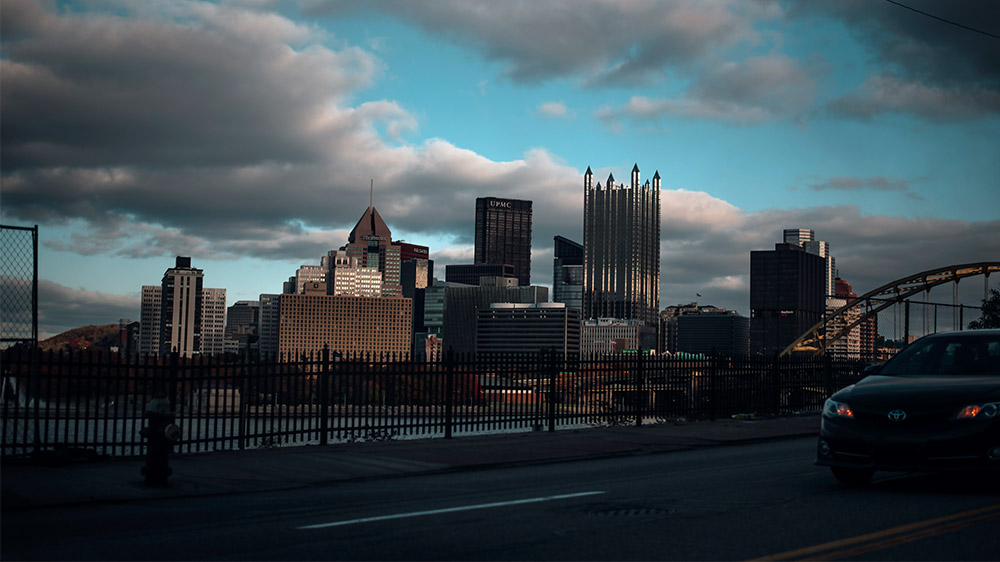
(26, 486)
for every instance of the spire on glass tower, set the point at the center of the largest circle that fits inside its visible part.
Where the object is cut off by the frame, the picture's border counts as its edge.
(588, 179)
(656, 180)
(611, 181)
(635, 175)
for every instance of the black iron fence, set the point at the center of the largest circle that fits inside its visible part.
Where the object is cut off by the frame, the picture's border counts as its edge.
(96, 401)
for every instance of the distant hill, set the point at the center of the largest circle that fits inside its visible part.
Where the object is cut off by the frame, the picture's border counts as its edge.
(86, 337)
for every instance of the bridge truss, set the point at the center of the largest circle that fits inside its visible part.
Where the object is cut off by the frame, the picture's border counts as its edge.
(818, 339)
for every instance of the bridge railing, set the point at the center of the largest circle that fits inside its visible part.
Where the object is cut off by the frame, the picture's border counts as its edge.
(96, 401)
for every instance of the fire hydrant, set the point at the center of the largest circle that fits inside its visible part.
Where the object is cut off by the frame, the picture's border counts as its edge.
(160, 434)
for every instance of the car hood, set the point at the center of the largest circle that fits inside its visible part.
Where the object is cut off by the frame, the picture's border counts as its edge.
(922, 389)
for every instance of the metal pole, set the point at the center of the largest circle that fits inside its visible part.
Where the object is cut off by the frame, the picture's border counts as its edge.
(34, 287)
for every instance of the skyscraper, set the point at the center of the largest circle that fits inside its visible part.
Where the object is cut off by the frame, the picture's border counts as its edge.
(786, 296)
(180, 309)
(503, 234)
(567, 273)
(621, 246)
(371, 243)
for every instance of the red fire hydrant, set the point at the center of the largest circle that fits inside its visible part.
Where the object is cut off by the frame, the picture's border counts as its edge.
(160, 434)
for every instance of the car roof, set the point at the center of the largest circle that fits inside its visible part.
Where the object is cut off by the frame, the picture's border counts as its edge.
(968, 333)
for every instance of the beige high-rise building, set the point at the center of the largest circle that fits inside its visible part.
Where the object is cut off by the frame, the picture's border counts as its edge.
(213, 321)
(180, 315)
(350, 325)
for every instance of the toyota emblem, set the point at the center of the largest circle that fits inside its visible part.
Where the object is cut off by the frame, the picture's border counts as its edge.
(897, 415)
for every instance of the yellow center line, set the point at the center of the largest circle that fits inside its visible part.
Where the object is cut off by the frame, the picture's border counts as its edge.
(886, 538)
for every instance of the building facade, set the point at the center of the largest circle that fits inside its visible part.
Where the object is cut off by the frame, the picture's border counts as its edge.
(726, 334)
(463, 303)
(213, 321)
(267, 328)
(503, 235)
(376, 327)
(787, 296)
(472, 274)
(149, 319)
(370, 241)
(567, 273)
(610, 336)
(528, 328)
(180, 309)
(621, 245)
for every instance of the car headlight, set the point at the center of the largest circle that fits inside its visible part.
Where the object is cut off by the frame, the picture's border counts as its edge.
(834, 409)
(987, 411)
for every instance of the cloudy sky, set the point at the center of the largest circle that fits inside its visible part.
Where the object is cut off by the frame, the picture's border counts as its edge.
(245, 133)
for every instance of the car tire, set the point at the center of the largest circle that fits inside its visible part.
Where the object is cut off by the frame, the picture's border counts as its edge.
(853, 476)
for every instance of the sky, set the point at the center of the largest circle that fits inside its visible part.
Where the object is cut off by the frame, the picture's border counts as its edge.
(245, 134)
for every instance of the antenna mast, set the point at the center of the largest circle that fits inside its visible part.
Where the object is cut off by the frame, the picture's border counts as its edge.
(371, 199)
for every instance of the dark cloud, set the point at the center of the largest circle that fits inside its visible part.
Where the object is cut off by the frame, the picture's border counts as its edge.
(610, 43)
(928, 68)
(752, 91)
(220, 132)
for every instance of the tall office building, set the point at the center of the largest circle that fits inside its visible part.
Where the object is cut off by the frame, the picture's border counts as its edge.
(347, 277)
(567, 273)
(806, 239)
(371, 243)
(267, 329)
(180, 309)
(180, 315)
(503, 234)
(213, 321)
(149, 320)
(787, 288)
(621, 246)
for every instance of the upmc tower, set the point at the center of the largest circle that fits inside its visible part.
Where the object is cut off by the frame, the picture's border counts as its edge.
(621, 245)
(503, 235)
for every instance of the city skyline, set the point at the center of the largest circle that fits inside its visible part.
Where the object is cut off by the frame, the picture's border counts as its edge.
(126, 140)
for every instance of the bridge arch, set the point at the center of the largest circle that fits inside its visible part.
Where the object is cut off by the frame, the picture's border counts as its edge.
(816, 340)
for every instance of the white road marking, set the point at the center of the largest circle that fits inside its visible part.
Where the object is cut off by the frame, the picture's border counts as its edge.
(448, 510)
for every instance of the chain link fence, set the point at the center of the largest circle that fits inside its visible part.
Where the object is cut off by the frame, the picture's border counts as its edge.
(18, 285)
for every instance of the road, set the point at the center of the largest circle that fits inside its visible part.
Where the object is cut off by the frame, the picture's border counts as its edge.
(723, 503)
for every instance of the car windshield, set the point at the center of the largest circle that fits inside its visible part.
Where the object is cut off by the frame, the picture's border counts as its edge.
(957, 355)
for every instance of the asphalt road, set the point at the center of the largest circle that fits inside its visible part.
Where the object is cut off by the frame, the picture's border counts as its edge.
(722, 503)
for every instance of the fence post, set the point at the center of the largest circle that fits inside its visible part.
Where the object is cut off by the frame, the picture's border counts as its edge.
(639, 387)
(241, 436)
(775, 372)
(35, 372)
(449, 391)
(324, 397)
(827, 375)
(172, 381)
(712, 394)
(553, 377)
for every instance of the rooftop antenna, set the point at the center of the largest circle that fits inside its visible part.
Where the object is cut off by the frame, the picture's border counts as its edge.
(371, 198)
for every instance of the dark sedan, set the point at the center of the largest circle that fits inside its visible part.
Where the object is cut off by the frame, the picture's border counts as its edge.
(935, 406)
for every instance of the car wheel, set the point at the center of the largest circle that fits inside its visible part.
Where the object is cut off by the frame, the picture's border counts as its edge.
(852, 476)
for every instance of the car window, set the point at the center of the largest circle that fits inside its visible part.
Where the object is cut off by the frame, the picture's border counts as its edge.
(960, 355)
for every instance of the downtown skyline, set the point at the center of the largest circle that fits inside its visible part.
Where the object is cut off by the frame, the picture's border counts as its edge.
(245, 134)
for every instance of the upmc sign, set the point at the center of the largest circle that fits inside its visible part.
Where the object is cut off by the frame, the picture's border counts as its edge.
(500, 203)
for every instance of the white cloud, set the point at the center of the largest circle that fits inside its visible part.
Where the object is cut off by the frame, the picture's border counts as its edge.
(554, 110)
